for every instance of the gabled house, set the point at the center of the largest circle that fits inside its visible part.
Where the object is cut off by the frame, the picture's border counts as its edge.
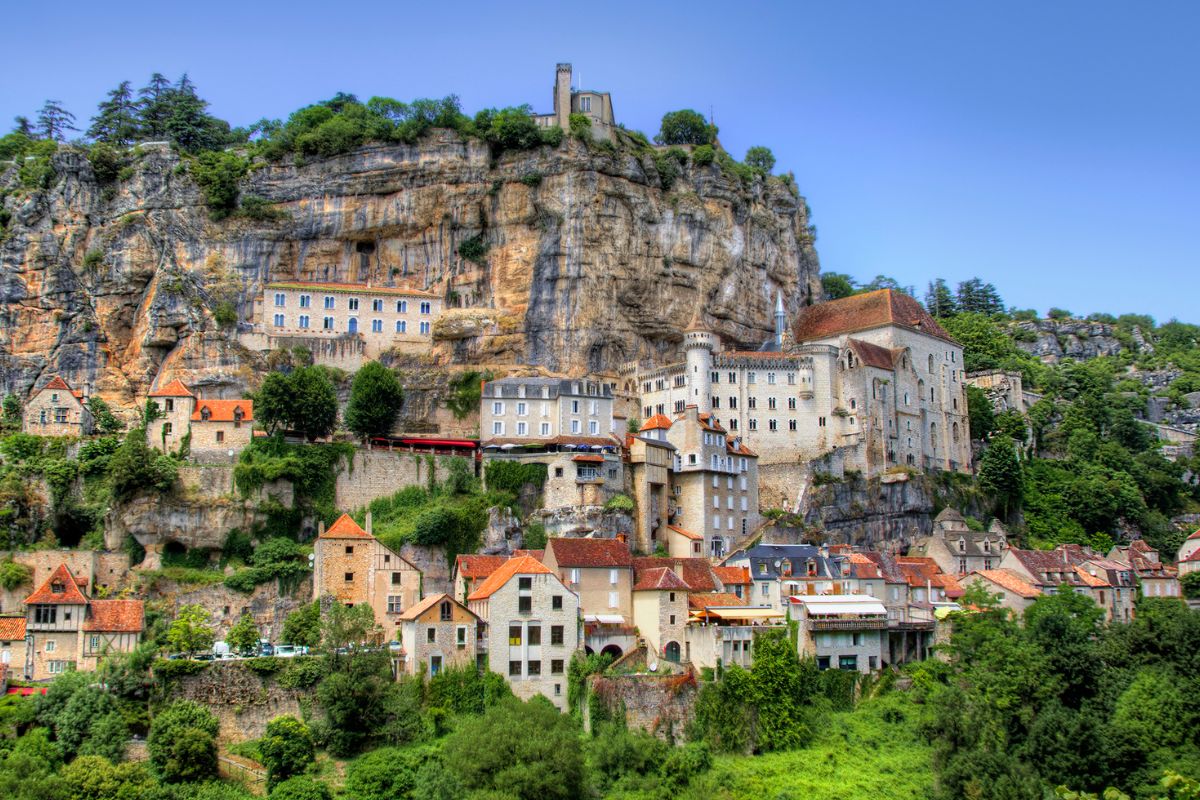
(780, 570)
(1188, 558)
(532, 627)
(957, 549)
(660, 611)
(735, 580)
(1157, 579)
(57, 410)
(600, 571)
(1110, 583)
(437, 633)
(471, 570)
(66, 630)
(209, 426)
(13, 645)
(353, 567)
(846, 631)
(1015, 592)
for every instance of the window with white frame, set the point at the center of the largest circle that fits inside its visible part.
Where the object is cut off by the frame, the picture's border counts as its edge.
(401, 326)
(304, 321)
(593, 427)
(279, 320)
(574, 426)
(327, 323)
(352, 304)
(305, 300)
(401, 306)
(545, 429)
(377, 304)
(497, 428)
(426, 307)
(522, 428)
(329, 303)
(497, 408)
(376, 326)
(280, 299)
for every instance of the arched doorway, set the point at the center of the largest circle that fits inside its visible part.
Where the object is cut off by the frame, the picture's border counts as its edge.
(671, 652)
(353, 326)
(613, 651)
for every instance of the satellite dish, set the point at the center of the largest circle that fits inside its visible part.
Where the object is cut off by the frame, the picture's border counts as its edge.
(777, 563)
(654, 667)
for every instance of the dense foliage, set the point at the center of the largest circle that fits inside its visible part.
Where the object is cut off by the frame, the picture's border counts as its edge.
(303, 401)
(375, 400)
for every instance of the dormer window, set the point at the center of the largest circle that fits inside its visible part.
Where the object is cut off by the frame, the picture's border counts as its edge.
(962, 545)
(205, 413)
(57, 588)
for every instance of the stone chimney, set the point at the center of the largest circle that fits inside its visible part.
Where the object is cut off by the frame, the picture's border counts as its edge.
(320, 529)
(368, 520)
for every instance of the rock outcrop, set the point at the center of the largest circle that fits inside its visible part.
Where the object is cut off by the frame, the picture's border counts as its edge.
(1055, 339)
(588, 261)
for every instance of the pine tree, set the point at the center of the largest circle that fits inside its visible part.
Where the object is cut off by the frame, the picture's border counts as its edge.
(54, 121)
(1000, 474)
(939, 300)
(23, 126)
(154, 106)
(969, 299)
(989, 300)
(117, 120)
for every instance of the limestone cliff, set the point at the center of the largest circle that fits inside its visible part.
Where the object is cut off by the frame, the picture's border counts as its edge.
(588, 262)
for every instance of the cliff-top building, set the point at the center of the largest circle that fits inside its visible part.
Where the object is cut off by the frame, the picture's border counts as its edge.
(863, 383)
(596, 106)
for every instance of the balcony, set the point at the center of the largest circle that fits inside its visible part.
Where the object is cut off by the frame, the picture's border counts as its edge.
(875, 623)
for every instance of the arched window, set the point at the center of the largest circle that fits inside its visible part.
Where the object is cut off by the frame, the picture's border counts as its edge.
(933, 435)
(954, 433)
(930, 363)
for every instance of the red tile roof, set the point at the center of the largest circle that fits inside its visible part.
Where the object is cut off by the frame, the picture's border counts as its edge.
(684, 532)
(659, 579)
(12, 629)
(705, 599)
(864, 311)
(696, 572)
(475, 567)
(1010, 581)
(594, 441)
(590, 552)
(59, 384)
(919, 570)
(522, 565)
(223, 410)
(538, 555)
(1195, 535)
(345, 528)
(173, 389)
(1089, 579)
(116, 616)
(732, 576)
(872, 354)
(736, 445)
(68, 593)
(655, 422)
(352, 288)
(591, 458)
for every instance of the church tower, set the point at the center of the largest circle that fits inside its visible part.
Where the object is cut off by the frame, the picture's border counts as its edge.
(699, 344)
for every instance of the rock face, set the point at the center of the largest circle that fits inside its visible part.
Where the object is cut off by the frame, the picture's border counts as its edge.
(588, 263)
(1053, 340)
(882, 516)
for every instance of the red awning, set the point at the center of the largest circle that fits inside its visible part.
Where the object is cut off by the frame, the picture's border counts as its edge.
(417, 442)
(591, 458)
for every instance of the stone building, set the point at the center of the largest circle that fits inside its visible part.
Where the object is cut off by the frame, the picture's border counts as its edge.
(57, 410)
(1110, 583)
(777, 571)
(596, 106)
(1156, 578)
(600, 571)
(353, 567)
(532, 627)
(13, 645)
(470, 570)
(651, 462)
(865, 383)
(660, 611)
(66, 630)
(345, 324)
(841, 631)
(957, 549)
(435, 634)
(1188, 558)
(1014, 591)
(215, 426)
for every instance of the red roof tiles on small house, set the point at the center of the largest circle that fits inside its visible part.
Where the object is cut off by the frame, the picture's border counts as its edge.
(475, 567)
(1010, 581)
(522, 565)
(1195, 535)
(12, 629)
(590, 552)
(420, 608)
(701, 600)
(736, 445)
(116, 616)
(345, 528)
(655, 423)
(61, 587)
(223, 411)
(173, 389)
(590, 458)
(732, 576)
(862, 312)
(685, 533)
(696, 572)
(659, 579)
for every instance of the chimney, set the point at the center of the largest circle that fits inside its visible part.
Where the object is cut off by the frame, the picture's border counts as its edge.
(321, 528)
(368, 521)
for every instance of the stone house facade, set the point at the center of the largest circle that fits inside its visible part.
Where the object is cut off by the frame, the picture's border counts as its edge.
(596, 106)
(57, 410)
(841, 631)
(353, 567)
(867, 382)
(651, 461)
(437, 633)
(526, 410)
(215, 426)
(957, 549)
(533, 626)
(1014, 591)
(13, 645)
(660, 611)
(1188, 558)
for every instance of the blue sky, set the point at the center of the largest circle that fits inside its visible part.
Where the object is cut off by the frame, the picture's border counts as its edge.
(1050, 148)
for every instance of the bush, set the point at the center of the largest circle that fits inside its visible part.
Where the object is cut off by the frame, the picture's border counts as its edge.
(92, 260)
(182, 743)
(386, 773)
(105, 161)
(466, 389)
(286, 749)
(474, 249)
(619, 502)
(532, 179)
(760, 159)
(581, 126)
(510, 128)
(301, 788)
(685, 127)
(704, 155)
(260, 209)
(513, 476)
(14, 575)
(217, 175)
(225, 315)
(668, 170)
(134, 468)
(551, 136)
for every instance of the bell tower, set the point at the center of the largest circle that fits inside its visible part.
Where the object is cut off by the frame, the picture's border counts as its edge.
(562, 96)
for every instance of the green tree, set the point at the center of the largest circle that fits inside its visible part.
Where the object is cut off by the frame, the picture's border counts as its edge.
(836, 285)
(154, 106)
(301, 787)
(761, 159)
(190, 631)
(375, 400)
(116, 122)
(386, 773)
(287, 749)
(134, 467)
(106, 421)
(54, 121)
(303, 626)
(218, 175)
(304, 401)
(685, 127)
(508, 128)
(1000, 474)
(1190, 584)
(12, 413)
(939, 300)
(359, 698)
(244, 635)
(346, 628)
(781, 688)
(985, 344)
(182, 743)
(979, 410)
(527, 751)
(93, 777)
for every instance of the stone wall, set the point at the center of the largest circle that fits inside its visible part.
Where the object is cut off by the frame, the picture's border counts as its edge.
(100, 568)
(885, 513)
(663, 705)
(242, 700)
(381, 473)
(266, 603)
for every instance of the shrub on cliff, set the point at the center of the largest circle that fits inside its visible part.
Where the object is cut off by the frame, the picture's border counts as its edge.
(703, 155)
(134, 467)
(509, 128)
(287, 749)
(14, 575)
(761, 159)
(217, 175)
(375, 400)
(685, 127)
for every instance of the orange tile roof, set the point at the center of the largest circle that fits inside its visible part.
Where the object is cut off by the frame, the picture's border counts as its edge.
(1091, 580)
(473, 566)
(539, 555)
(1009, 581)
(590, 552)
(345, 528)
(591, 458)
(12, 629)
(659, 579)
(354, 288)
(697, 573)
(656, 422)
(173, 389)
(864, 311)
(116, 616)
(429, 602)
(872, 354)
(69, 593)
(864, 567)
(736, 445)
(1195, 535)
(684, 532)
(732, 576)
(705, 599)
(222, 410)
(59, 384)
(523, 565)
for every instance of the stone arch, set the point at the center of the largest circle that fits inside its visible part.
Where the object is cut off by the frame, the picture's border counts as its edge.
(954, 433)
(671, 652)
(612, 650)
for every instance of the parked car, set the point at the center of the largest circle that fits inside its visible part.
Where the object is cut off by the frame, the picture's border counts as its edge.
(265, 648)
(286, 651)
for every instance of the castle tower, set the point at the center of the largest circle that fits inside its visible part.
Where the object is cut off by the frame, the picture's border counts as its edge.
(562, 96)
(699, 344)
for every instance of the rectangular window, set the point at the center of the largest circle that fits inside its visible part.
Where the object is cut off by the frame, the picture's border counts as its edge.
(352, 304)
(279, 320)
(327, 323)
(397, 578)
(460, 637)
(279, 300)
(613, 600)
(750, 377)
(593, 427)
(585, 104)
(376, 326)
(349, 549)
(545, 429)
(431, 635)
(772, 425)
(535, 635)
(497, 428)
(329, 303)
(791, 424)
(401, 306)
(220, 437)
(514, 669)
(525, 604)
(753, 424)
(612, 576)
(556, 634)
(556, 602)
(45, 615)
(305, 300)
(514, 635)
(51, 645)
(535, 668)
(349, 576)
(166, 428)
(425, 327)
(304, 321)
(574, 426)
(752, 403)
(377, 305)
(395, 604)
(522, 410)
(556, 666)
(522, 428)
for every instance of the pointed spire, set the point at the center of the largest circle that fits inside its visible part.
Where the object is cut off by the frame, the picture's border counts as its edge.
(779, 315)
